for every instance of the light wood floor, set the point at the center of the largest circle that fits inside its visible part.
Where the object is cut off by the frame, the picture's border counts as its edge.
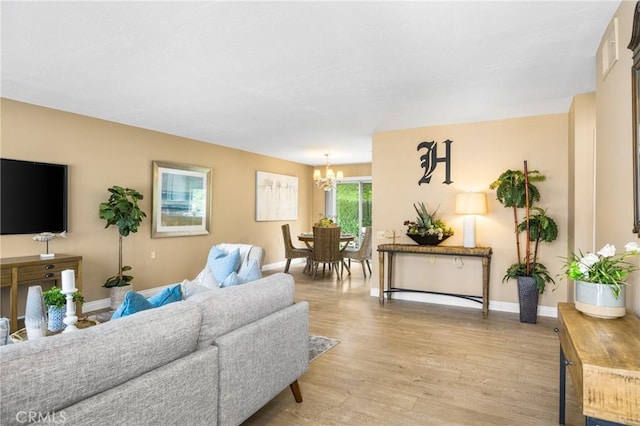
(410, 363)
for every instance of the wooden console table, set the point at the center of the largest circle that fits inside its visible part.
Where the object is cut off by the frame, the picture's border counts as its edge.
(603, 359)
(31, 270)
(392, 249)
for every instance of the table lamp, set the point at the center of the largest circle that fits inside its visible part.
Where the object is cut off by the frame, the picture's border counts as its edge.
(470, 204)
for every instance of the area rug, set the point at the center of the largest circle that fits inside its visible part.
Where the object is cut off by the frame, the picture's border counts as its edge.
(319, 345)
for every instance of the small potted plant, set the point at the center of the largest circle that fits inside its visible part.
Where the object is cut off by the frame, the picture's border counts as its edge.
(514, 190)
(601, 279)
(426, 229)
(122, 211)
(56, 303)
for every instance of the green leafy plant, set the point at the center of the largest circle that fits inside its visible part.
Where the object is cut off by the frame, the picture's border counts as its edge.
(427, 224)
(122, 211)
(54, 297)
(603, 267)
(514, 189)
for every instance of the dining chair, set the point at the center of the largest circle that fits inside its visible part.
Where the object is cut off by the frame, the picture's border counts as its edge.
(326, 249)
(362, 254)
(292, 252)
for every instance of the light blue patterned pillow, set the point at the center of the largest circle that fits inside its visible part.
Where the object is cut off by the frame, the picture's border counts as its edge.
(250, 273)
(232, 279)
(222, 266)
(133, 302)
(166, 296)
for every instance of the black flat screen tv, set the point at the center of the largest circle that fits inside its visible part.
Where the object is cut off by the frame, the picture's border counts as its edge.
(33, 197)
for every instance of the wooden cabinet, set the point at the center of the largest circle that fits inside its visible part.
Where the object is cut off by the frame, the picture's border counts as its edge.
(602, 357)
(31, 270)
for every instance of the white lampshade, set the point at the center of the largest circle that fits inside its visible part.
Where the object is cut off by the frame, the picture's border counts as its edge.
(470, 204)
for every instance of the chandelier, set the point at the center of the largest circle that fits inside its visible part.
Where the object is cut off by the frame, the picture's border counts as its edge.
(329, 181)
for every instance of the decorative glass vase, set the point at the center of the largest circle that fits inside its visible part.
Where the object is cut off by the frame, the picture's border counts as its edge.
(35, 317)
(56, 318)
(597, 300)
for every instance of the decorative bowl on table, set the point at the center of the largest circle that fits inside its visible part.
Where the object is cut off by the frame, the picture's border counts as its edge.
(427, 240)
(427, 230)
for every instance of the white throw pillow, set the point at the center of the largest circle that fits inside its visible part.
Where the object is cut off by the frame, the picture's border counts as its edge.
(190, 288)
(206, 279)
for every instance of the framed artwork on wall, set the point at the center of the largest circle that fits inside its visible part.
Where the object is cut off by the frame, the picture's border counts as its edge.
(181, 200)
(276, 197)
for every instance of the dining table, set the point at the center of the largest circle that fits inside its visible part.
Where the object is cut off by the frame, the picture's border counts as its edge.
(307, 239)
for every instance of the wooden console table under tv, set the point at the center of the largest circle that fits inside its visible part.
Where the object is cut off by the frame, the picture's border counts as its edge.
(32, 270)
(603, 359)
(393, 249)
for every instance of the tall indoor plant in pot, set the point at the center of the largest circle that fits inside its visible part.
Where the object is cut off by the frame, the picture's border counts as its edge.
(514, 190)
(122, 211)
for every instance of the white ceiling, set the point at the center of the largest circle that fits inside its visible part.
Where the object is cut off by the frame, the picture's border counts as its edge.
(295, 80)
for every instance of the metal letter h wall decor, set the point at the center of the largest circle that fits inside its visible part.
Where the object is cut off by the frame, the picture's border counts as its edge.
(430, 161)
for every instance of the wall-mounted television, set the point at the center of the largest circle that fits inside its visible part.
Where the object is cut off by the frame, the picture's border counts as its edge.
(33, 197)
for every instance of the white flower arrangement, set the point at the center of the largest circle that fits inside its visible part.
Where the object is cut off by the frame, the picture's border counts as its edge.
(603, 267)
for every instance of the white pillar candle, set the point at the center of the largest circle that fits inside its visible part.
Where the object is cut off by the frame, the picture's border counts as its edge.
(68, 281)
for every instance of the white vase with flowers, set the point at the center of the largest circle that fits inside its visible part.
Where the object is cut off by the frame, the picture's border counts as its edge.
(600, 280)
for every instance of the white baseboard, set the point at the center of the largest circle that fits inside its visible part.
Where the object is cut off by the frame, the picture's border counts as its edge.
(494, 305)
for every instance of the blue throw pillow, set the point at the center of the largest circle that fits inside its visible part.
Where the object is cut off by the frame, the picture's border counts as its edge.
(214, 253)
(250, 273)
(133, 302)
(168, 295)
(222, 266)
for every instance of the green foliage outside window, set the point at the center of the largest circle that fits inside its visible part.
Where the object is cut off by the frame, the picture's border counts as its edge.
(347, 206)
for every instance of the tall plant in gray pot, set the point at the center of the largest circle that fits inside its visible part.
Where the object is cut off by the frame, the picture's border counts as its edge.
(514, 190)
(122, 211)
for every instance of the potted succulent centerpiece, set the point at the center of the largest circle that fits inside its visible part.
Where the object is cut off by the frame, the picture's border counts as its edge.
(600, 279)
(427, 229)
(56, 303)
(122, 211)
(514, 190)
(325, 222)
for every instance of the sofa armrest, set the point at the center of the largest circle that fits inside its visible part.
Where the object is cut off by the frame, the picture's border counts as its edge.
(258, 361)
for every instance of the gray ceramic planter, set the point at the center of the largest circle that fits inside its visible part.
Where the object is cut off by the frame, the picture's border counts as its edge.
(597, 300)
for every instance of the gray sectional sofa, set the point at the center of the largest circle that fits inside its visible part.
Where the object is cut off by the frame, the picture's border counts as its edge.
(214, 359)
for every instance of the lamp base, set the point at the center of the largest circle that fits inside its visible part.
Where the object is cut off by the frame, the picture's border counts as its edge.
(469, 231)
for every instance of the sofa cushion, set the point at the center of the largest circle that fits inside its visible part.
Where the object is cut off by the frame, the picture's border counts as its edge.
(223, 265)
(133, 302)
(233, 307)
(93, 359)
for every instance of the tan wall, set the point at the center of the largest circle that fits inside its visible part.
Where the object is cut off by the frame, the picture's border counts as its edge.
(480, 153)
(101, 154)
(582, 123)
(614, 168)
